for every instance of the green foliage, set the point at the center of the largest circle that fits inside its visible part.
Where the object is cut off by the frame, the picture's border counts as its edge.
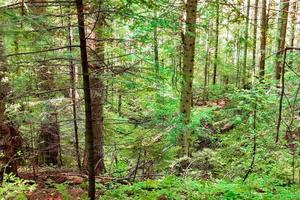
(16, 188)
(174, 188)
(148, 125)
(63, 190)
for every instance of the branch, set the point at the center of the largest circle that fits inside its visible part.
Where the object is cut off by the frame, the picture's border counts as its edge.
(41, 51)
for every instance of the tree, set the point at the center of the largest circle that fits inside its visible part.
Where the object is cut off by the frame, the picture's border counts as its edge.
(206, 67)
(96, 44)
(244, 80)
(188, 70)
(282, 27)
(294, 22)
(254, 37)
(216, 42)
(155, 44)
(73, 92)
(263, 39)
(10, 139)
(89, 136)
(237, 59)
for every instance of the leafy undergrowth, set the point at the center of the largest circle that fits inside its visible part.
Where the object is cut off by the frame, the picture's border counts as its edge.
(174, 188)
(167, 188)
(13, 187)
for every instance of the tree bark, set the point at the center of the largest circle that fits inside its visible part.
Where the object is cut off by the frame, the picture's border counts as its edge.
(97, 89)
(188, 70)
(156, 55)
(245, 77)
(216, 43)
(254, 39)
(237, 60)
(87, 99)
(73, 95)
(205, 95)
(263, 39)
(294, 23)
(282, 27)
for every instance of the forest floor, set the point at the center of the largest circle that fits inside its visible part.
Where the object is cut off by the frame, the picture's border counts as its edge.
(67, 184)
(47, 184)
(57, 184)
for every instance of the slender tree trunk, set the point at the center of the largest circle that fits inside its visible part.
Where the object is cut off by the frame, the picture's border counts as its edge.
(245, 76)
(282, 27)
(254, 40)
(216, 42)
(205, 95)
(188, 70)
(237, 60)
(87, 99)
(156, 56)
(294, 23)
(281, 99)
(120, 104)
(293, 27)
(227, 56)
(263, 39)
(73, 95)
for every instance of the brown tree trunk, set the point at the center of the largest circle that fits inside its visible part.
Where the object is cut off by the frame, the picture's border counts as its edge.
(263, 39)
(216, 43)
(282, 27)
(97, 90)
(254, 39)
(10, 139)
(89, 138)
(245, 76)
(237, 60)
(73, 94)
(205, 95)
(156, 56)
(188, 71)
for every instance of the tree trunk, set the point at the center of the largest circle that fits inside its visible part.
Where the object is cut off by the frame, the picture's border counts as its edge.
(10, 139)
(294, 23)
(245, 76)
(97, 89)
(237, 60)
(73, 95)
(282, 27)
(263, 39)
(216, 43)
(87, 99)
(188, 70)
(156, 56)
(205, 95)
(254, 40)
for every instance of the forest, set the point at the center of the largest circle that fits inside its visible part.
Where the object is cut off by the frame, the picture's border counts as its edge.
(149, 100)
